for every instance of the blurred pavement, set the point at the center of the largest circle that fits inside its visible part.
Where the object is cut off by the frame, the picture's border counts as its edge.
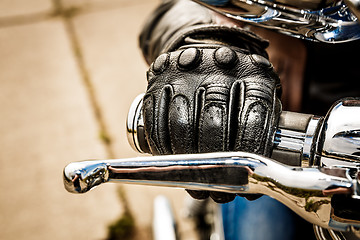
(69, 71)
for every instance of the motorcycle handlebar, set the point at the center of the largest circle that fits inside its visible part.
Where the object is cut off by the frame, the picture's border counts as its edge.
(294, 138)
(300, 139)
(323, 187)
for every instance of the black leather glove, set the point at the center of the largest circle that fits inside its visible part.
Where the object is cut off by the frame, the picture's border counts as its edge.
(211, 90)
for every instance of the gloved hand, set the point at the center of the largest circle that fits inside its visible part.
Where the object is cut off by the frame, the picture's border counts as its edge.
(210, 99)
(212, 89)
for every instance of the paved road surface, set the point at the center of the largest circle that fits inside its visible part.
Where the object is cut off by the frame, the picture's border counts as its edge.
(68, 73)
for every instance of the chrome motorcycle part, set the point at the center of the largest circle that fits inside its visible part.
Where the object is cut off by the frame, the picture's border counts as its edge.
(354, 6)
(135, 126)
(294, 141)
(300, 139)
(326, 234)
(307, 191)
(340, 134)
(327, 195)
(295, 138)
(324, 21)
(306, 4)
(330, 141)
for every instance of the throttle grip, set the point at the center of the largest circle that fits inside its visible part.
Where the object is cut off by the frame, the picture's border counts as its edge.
(292, 145)
(299, 138)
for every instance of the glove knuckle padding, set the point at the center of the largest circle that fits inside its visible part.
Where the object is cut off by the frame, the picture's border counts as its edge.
(210, 98)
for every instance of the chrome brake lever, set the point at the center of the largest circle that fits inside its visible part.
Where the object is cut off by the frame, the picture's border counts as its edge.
(307, 191)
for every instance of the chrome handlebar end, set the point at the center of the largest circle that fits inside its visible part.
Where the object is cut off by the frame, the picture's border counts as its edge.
(81, 177)
(135, 126)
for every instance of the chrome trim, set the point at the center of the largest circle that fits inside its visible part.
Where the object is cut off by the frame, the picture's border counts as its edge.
(334, 23)
(340, 134)
(298, 142)
(135, 120)
(310, 140)
(354, 6)
(289, 140)
(327, 234)
(304, 190)
(333, 162)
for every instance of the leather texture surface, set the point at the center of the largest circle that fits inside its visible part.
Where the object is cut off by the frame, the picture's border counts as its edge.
(211, 98)
(210, 86)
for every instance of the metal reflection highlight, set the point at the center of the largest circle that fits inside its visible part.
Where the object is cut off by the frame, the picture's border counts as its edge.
(307, 191)
(325, 21)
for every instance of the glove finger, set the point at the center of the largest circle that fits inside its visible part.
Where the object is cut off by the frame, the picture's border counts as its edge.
(181, 106)
(180, 125)
(250, 197)
(214, 115)
(236, 103)
(198, 106)
(149, 123)
(213, 123)
(163, 133)
(213, 120)
(213, 127)
(198, 194)
(220, 197)
(260, 110)
(255, 119)
(156, 121)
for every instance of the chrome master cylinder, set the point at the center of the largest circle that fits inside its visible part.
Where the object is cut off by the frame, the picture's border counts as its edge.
(333, 140)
